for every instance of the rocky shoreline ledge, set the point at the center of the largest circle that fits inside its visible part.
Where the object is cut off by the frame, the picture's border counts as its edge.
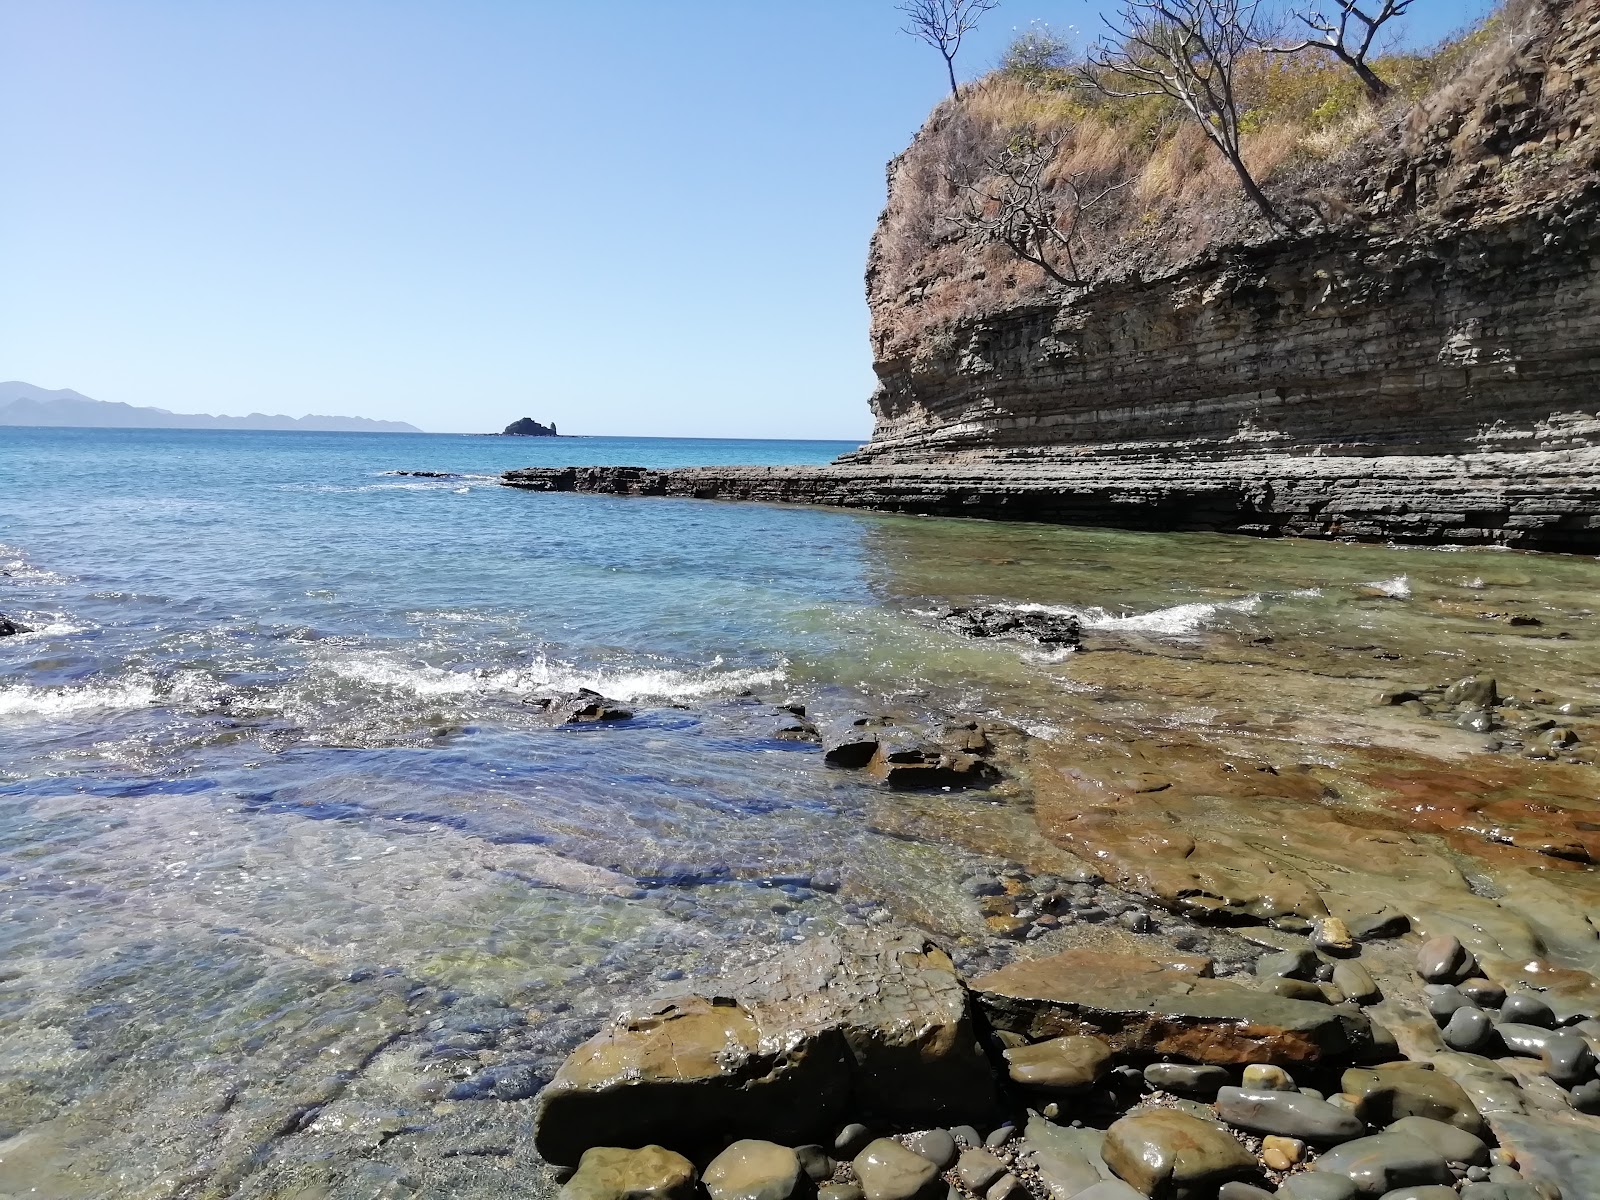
(864, 1067)
(1548, 500)
(1166, 1042)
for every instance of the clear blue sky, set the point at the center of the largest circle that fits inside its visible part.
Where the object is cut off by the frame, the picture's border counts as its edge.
(627, 216)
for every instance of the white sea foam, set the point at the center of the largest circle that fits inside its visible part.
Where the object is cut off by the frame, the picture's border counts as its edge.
(20, 700)
(1398, 588)
(1174, 621)
(643, 683)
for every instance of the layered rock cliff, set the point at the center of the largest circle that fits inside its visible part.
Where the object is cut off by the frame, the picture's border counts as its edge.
(1419, 363)
(1452, 307)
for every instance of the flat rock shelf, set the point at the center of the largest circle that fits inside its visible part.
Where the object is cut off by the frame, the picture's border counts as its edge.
(1548, 500)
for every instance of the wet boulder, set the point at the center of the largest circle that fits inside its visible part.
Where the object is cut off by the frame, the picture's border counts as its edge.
(868, 1023)
(1288, 1114)
(1410, 1090)
(1052, 629)
(9, 628)
(1171, 1155)
(581, 707)
(1144, 1009)
(1385, 1161)
(1059, 1066)
(613, 1173)
(912, 765)
(850, 742)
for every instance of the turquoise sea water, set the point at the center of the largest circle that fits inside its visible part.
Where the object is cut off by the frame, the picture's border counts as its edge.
(300, 897)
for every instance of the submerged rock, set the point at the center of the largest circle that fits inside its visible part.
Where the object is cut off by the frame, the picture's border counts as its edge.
(1138, 1006)
(579, 708)
(9, 628)
(868, 1022)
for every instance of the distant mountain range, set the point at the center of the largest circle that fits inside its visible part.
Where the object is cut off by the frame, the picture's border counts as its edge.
(25, 404)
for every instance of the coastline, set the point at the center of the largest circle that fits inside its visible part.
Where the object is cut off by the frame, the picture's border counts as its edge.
(1536, 500)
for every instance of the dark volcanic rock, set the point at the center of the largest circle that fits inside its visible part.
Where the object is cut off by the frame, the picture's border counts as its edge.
(9, 628)
(1147, 1010)
(528, 427)
(579, 708)
(1047, 628)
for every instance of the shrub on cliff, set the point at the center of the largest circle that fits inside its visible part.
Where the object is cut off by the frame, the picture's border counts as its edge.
(1308, 130)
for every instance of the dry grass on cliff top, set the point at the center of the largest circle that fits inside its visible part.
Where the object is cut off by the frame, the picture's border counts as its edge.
(1306, 117)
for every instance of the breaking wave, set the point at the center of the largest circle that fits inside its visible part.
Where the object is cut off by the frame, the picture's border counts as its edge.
(542, 675)
(20, 700)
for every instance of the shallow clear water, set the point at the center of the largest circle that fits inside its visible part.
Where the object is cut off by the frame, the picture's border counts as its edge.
(288, 862)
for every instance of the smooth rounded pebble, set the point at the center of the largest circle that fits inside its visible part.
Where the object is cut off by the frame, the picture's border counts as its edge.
(1404, 1091)
(1355, 981)
(839, 1191)
(1005, 1187)
(1430, 1191)
(1332, 936)
(935, 1145)
(1292, 1149)
(1267, 1077)
(1457, 1145)
(1469, 1030)
(888, 1171)
(1526, 1009)
(1443, 1000)
(1288, 1114)
(752, 1170)
(1063, 1064)
(1295, 989)
(1586, 1097)
(816, 1162)
(1482, 992)
(999, 1137)
(1441, 959)
(611, 1173)
(852, 1140)
(1286, 964)
(1165, 1149)
(1110, 1189)
(1385, 1161)
(977, 1169)
(1239, 1190)
(1186, 1080)
(1568, 1059)
(1314, 1185)
(1500, 1191)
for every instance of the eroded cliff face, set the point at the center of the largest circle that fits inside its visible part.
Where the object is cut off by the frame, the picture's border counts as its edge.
(1452, 308)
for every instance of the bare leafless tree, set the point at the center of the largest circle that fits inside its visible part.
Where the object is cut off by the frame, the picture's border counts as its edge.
(942, 24)
(1350, 36)
(1188, 51)
(1012, 205)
